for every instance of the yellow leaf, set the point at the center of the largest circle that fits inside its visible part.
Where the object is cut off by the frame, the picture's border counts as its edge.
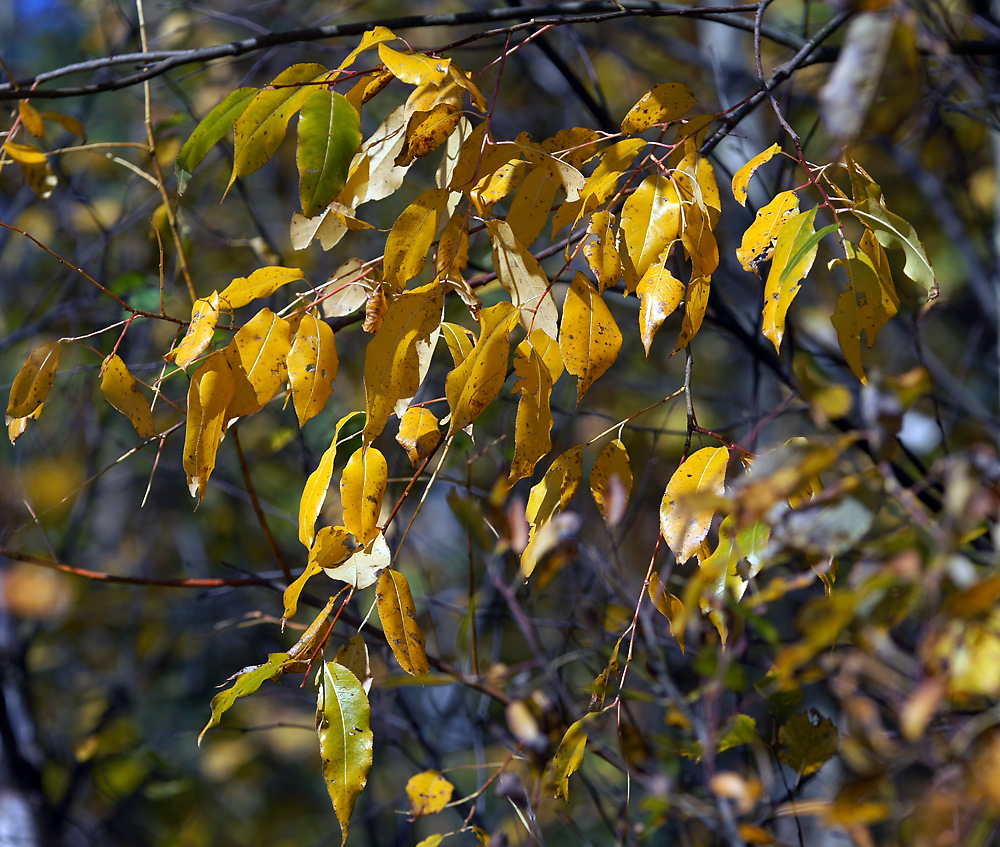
(453, 249)
(589, 338)
(399, 622)
(347, 290)
(261, 283)
(741, 179)
(669, 606)
(312, 367)
(367, 87)
(665, 102)
(758, 240)
(41, 179)
(497, 184)
(660, 293)
(794, 255)
(362, 566)
(428, 792)
(684, 527)
(523, 278)
(392, 359)
(373, 38)
(419, 434)
(869, 302)
(615, 160)
(30, 117)
(374, 173)
(25, 154)
(474, 384)
(611, 463)
(71, 125)
(354, 656)
(329, 548)
(211, 389)
(343, 719)
(204, 317)
(569, 756)
(122, 391)
(696, 304)
(529, 210)
(552, 494)
(414, 68)
(460, 341)
(465, 81)
(651, 221)
(317, 484)
(257, 356)
(601, 252)
(546, 347)
(411, 237)
(426, 131)
(532, 438)
(33, 382)
(362, 487)
(16, 427)
(262, 125)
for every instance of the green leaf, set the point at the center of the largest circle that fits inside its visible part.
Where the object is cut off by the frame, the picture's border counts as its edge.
(345, 739)
(247, 682)
(329, 136)
(738, 730)
(210, 132)
(807, 741)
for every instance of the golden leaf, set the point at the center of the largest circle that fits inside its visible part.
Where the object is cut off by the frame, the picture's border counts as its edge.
(589, 338)
(399, 622)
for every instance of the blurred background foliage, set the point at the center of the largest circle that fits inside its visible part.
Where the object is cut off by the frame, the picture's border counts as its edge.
(105, 687)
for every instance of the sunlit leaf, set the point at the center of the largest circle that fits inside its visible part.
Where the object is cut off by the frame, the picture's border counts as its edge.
(211, 130)
(530, 208)
(611, 463)
(660, 293)
(354, 656)
(414, 68)
(211, 389)
(345, 739)
(758, 240)
(532, 439)
(347, 290)
(362, 567)
(362, 487)
(399, 622)
(411, 237)
(684, 526)
(428, 792)
(475, 383)
(794, 255)
(428, 130)
(329, 135)
(204, 317)
(392, 359)
(257, 355)
(892, 231)
(247, 682)
(589, 338)
(741, 179)
(312, 367)
(34, 381)
(261, 283)
(453, 249)
(569, 756)
(122, 391)
(665, 102)
(419, 434)
(316, 487)
(374, 172)
(522, 276)
(602, 253)
(651, 221)
(551, 495)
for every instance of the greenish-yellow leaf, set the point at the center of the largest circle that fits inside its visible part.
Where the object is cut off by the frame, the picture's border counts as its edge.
(329, 136)
(122, 391)
(211, 130)
(428, 792)
(569, 756)
(34, 381)
(741, 179)
(411, 237)
(665, 102)
(892, 231)
(589, 338)
(257, 356)
(685, 526)
(392, 359)
(794, 255)
(737, 731)
(475, 383)
(552, 494)
(312, 367)
(354, 656)
(399, 622)
(211, 389)
(362, 487)
(247, 682)
(343, 719)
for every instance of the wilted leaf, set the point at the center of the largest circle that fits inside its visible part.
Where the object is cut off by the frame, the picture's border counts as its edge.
(411, 237)
(399, 622)
(211, 389)
(257, 356)
(741, 179)
(210, 131)
(807, 741)
(204, 317)
(523, 278)
(428, 792)
(794, 255)
(261, 283)
(665, 102)
(364, 565)
(684, 527)
(122, 391)
(345, 739)
(392, 359)
(758, 240)
(34, 381)
(569, 756)
(317, 484)
(427, 131)
(419, 434)
(475, 383)
(589, 338)
(312, 367)
(247, 682)
(362, 487)
(611, 463)
(329, 135)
